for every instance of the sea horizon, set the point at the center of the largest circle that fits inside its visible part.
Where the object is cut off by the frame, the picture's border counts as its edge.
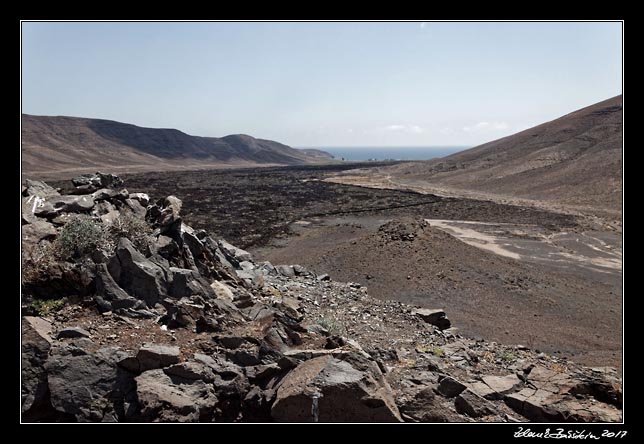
(390, 152)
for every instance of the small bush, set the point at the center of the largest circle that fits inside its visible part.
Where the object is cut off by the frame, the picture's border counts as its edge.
(131, 227)
(437, 351)
(332, 326)
(508, 356)
(45, 307)
(79, 237)
(36, 265)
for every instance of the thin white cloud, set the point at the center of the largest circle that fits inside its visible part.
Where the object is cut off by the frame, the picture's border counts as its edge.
(486, 126)
(413, 129)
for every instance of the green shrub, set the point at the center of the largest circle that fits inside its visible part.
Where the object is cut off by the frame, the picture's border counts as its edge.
(44, 307)
(79, 237)
(437, 351)
(508, 356)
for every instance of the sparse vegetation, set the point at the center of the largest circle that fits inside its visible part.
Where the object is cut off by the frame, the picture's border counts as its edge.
(78, 238)
(332, 326)
(437, 351)
(507, 356)
(131, 227)
(42, 257)
(45, 307)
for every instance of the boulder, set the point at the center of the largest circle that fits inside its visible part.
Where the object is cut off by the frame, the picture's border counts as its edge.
(186, 282)
(450, 387)
(191, 370)
(165, 246)
(496, 387)
(109, 296)
(90, 386)
(285, 270)
(470, 404)
(92, 182)
(73, 332)
(168, 219)
(142, 198)
(550, 396)
(435, 317)
(152, 356)
(171, 398)
(137, 275)
(327, 389)
(35, 346)
(136, 207)
(422, 405)
(72, 204)
(222, 291)
(39, 189)
(104, 194)
(234, 254)
(39, 230)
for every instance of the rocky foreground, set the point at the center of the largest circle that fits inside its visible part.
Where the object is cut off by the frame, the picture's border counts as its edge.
(159, 322)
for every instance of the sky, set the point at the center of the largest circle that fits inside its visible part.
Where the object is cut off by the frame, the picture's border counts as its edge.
(317, 84)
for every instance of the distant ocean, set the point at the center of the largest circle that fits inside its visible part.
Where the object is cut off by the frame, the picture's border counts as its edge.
(392, 153)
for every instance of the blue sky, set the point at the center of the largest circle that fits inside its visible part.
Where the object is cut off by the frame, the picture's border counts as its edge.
(323, 84)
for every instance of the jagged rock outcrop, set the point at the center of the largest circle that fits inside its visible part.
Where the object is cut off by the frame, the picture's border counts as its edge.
(184, 328)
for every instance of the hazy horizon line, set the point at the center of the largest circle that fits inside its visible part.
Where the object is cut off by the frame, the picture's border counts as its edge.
(320, 147)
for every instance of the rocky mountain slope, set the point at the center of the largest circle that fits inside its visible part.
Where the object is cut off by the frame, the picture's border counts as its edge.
(575, 159)
(51, 144)
(159, 322)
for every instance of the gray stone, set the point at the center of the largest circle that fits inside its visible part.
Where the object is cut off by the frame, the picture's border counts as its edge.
(152, 356)
(472, 405)
(72, 204)
(109, 291)
(89, 385)
(39, 189)
(422, 405)
(136, 207)
(104, 194)
(185, 282)
(36, 232)
(165, 246)
(169, 218)
(285, 270)
(435, 317)
(326, 389)
(97, 181)
(291, 308)
(36, 343)
(137, 275)
(300, 270)
(219, 365)
(233, 253)
(222, 291)
(192, 371)
(73, 332)
(142, 198)
(450, 387)
(501, 385)
(170, 398)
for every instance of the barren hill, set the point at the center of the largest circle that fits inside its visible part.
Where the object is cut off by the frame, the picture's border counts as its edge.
(53, 144)
(575, 159)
